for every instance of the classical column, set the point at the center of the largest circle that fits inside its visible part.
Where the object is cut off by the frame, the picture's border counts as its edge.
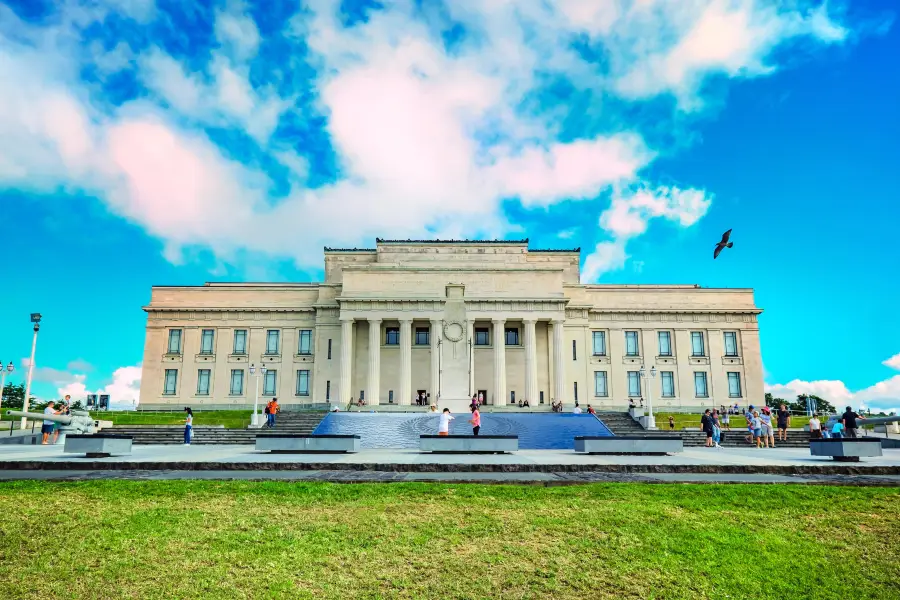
(344, 391)
(405, 361)
(531, 385)
(499, 362)
(374, 361)
(470, 352)
(435, 335)
(559, 370)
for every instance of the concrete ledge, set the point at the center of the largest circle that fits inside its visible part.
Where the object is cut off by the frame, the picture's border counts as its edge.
(629, 444)
(468, 443)
(846, 449)
(98, 445)
(273, 442)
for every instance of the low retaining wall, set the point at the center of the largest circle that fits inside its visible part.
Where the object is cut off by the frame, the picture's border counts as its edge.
(846, 449)
(469, 443)
(275, 443)
(629, 444)
(98, 445)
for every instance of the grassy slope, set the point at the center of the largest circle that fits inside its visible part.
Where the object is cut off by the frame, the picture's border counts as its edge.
(226, 540)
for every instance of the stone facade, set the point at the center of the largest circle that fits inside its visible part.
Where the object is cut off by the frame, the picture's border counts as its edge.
(427, 316)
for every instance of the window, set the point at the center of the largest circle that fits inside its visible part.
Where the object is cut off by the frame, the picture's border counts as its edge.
(576, 391)
(734, 385)
(237, 382)
(601, 390)
(240, 341)
(329, 349)
(599, 341)
(700, 390)
(634, 384)
(665, 344)
(362, 394)
(542, 397)
(171, 383)
(697, 343)
(174, 341)
(207, 336)
(203, 382)
(271, 378)
(390, 396)
(302, 383)
(391, 336)
(272, 341)
(305, 344)
(512, 336)
(482, 337)
(574, 351)
(512, 397)
(731, 343)
(631, 344)
(328, 388)
(668, 384)
(422, 336)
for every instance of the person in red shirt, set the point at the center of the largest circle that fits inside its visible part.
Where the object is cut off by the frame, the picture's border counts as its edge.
(591, 410)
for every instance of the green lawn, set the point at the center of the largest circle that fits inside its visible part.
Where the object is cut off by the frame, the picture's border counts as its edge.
(126, 539)
(693, 420)
(231, 419)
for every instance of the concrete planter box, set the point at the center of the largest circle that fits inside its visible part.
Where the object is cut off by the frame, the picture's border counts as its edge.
(629, 444)
(276, 443)
(469, 443)
(846, 449)
(98, 445)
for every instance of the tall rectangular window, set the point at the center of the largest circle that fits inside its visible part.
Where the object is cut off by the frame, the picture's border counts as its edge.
(512, 336)
(390, 396)
(270, 382)
(700, 389)
(599, 342)
(328, 390)
(305, 345)
(391, 336)
(665, 344)
(237, 382)
(575, 388)
(329, 348)
(203, 382)
(170, 386)
(302, 383)
(542, 397)
(422, 336)
(174, 341)
(634, 384)
(240, 341)
(482, 337)
(272, 341)
(574, 351)
(734, 385)
(631, 344)
(207, 339)
(667, 378)
(731, 343)
(697, 344)
(601, 389)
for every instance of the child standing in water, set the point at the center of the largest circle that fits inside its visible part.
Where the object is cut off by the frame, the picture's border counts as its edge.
(444, 427)
(475, 420)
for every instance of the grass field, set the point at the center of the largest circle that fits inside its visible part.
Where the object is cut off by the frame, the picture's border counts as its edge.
(693, 420)
(121, 539)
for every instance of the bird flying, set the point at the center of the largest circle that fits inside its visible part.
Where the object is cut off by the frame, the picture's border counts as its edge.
(724, 243)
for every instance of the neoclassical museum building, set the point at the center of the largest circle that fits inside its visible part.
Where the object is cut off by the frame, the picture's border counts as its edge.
(447, 320)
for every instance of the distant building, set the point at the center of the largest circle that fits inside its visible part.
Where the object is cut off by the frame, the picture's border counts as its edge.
(451, 319)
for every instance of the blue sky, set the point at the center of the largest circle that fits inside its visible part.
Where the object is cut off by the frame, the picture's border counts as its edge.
(166, 143)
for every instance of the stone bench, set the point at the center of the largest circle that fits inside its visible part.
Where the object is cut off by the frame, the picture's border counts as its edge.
(98, 445)
(469, 444)
(629, 444)
(846, 449)
(281, 443)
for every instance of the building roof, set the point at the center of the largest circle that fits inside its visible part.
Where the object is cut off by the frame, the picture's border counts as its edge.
(384, 241)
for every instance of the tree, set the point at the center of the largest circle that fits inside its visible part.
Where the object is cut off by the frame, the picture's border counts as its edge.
(14, 396)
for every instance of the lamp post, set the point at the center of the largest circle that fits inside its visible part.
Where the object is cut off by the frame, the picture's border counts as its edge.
(36, 319)
(651, 420)
(254, 420)
(3, 372)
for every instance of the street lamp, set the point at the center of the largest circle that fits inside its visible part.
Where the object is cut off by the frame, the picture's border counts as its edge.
(254, 420)
(36, 319)
(651, 420)
(3, 372)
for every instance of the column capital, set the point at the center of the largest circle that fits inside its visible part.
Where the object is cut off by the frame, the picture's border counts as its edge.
(348, 320)
(498, 321)
(558, 321)
(405, 320)
(530, 321)
(374, 319)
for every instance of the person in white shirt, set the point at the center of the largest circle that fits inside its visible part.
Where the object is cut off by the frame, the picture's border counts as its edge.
(815, 426)
(444, 427)
(48, 426)
(577, 409)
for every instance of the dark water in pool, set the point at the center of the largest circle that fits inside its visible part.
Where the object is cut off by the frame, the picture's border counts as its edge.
(540, 431)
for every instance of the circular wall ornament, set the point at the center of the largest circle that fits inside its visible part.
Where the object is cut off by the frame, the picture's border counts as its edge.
(454, 331)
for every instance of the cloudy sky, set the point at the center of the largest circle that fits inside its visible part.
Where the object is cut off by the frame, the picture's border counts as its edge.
(153, 142)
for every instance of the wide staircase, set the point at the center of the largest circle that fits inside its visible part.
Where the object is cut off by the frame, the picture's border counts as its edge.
(621, 423)
(299, 423)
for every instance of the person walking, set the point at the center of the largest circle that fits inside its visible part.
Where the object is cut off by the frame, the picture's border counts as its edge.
(784, 421)
(475, 420)
(706, 425)
(671, 423)
(273, 410)
(188, 426)
(815, 427)
(748, 416)
(726, 421)
(717, 428)
(849, 418)
(444, 425)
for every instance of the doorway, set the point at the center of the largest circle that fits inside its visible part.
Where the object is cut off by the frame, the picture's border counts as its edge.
(421, 397)
(484, 396)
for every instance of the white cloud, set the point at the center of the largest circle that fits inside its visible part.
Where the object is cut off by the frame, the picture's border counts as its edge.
(893, 362)
(237, 32)
(123, 390)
